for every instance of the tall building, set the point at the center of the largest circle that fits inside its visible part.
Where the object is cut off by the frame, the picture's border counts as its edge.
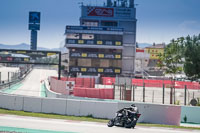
(105, 41)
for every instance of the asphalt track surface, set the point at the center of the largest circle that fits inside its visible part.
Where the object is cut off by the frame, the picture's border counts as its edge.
(40, 125)
(32, 85)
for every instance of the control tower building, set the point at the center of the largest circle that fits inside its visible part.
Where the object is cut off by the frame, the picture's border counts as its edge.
(105, 41)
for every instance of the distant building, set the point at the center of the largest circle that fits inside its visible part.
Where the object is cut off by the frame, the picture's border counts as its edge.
(105, 41)
(141, 60)
(155, 50)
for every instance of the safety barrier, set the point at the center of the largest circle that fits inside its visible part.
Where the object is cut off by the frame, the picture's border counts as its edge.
(151, 113)
(155, 83)
(79, 82)
(94, 93)
(52, 94)
(58, 86)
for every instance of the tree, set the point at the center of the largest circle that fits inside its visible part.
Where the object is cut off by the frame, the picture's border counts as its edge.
(192, 57)
(171, 61)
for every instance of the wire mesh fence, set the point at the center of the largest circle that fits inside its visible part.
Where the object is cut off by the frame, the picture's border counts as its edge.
(159, 94)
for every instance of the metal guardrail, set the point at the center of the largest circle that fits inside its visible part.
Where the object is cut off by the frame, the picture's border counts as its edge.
(8, 84)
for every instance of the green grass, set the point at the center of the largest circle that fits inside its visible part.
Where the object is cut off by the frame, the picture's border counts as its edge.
(82, 118)
(53, 116)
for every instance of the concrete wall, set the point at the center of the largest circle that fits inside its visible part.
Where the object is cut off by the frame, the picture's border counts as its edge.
(192, 114)
(151, 113)
(52, 94)
(155, 113)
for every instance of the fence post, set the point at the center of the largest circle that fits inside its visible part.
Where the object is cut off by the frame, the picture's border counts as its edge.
(163, 99)
(143, 92)
(113, 91)
(171, 95)
(125, 91)
(185, 96)
(120, 92)
(8, 76)
(133, 88)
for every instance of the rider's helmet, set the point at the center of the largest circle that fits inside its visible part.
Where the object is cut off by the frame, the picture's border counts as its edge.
(134, 108)
(133, 105)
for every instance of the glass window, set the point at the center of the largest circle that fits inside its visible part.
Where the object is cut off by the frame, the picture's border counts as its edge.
(109, 23)
(71, 41)
(99, 42)
(118, 43)
(109, 37)
(88, 36)
(90, 42)
(80, 41)
(90, 23)
(72, 36)
(108, 42)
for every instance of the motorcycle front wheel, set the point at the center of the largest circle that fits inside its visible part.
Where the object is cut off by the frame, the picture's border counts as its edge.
(111, 123)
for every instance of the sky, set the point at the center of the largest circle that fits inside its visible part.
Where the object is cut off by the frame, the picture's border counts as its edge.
(158, 21)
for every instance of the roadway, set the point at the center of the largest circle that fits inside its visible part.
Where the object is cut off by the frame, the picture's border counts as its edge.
(32, 85)
(69, 126)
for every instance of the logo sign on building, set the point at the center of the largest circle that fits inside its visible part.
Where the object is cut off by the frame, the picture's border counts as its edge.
(98, 11)
(34, 17)
(34, 21)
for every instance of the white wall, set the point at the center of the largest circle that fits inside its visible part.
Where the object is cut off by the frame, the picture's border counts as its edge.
(157, 114)
(151, 113)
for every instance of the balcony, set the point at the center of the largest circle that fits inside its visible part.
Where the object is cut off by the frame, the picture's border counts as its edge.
(101, 70)
(80, 43)
(95, 55)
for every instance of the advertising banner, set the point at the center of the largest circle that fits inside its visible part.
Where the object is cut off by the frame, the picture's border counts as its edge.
(99, 11)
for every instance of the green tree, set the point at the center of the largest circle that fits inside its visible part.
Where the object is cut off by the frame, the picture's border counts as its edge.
(172, 59)
(192, 57)
(171, 62)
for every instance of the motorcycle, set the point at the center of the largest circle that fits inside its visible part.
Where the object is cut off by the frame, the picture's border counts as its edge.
(125, 118)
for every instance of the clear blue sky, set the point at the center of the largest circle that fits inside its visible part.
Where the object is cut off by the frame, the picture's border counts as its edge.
(158, 20)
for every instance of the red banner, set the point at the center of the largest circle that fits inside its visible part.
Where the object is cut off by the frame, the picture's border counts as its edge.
(98, 11)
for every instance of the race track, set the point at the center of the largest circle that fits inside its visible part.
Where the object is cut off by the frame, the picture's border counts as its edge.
(69, 126)
(32, 85)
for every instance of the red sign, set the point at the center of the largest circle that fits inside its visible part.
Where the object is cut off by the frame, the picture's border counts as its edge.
(98, 11)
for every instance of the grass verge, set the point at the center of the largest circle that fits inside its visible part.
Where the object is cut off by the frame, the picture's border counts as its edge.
(83, 118)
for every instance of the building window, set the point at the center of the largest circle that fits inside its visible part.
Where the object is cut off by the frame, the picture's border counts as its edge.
(101, 55)
(100, 70)
(109, 37)
(88, 36)
(117, 71)
(108, 42)
(118, 43)
(109, 23)
(90, 42)
(72, 36)
(71, 41)
(80, 41)
(90, 23)
(117, 56)
(99, 42)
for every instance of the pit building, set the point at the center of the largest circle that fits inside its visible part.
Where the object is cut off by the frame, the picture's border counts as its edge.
(105, 41)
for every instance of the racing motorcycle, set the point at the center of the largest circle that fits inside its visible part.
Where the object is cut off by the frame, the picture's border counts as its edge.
(126, 117)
